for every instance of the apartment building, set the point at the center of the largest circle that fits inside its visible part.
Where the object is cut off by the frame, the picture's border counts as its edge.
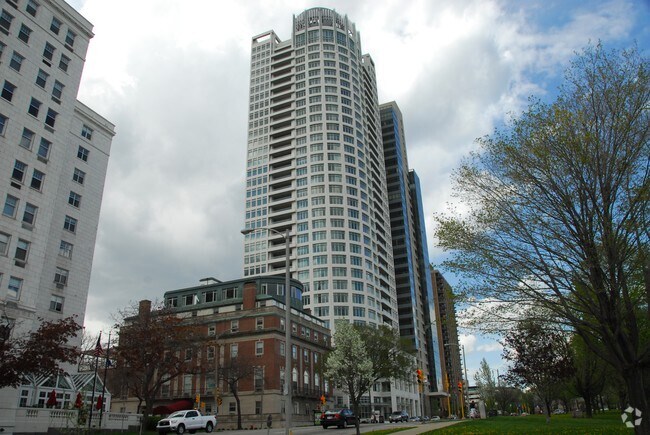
(54, 152)
(315, 171)
(417, 321)
(449, 348)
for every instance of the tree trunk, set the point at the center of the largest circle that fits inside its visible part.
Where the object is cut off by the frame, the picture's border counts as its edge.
(588, 404)
(239, 426)
(547, 404)
(637, 399)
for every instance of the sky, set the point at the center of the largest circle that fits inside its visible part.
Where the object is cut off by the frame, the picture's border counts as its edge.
(172, 75)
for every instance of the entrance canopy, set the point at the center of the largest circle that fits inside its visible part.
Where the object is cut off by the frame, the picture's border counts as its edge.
(181, 405)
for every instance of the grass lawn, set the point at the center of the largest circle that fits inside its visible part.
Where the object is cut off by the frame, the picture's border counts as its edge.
(608, 423)
(387, 431)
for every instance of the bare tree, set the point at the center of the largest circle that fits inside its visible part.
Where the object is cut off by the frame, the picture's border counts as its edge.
(231, 372)
(155, 347)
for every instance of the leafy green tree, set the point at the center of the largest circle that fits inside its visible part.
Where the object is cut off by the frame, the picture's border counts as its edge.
(349, 365)
(590, 374)
(539, 359)
(555, 215)
(391, 355)
(39, 353)
(486, 384)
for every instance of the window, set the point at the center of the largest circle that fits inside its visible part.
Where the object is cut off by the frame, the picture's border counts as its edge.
(232, 407)
(259, 323)
(27, 138)
(82, 153)
(65, 249)
(87, 132)
(8, 90)
(57, 91)
(61, 276)
(34, 107)
(16, 61)
(70, 224)
(56, 303)
(48, 51)
(234, 325)
(41, 78)
(78, 176)
(3, 124)
(44, 148)
(22, 250)
(15, 284)
(64, 62)
(31, 7)
(259, 348)
(5, 21)
(69, 38)
(4, 245)
(55, 26)
(210, 353)
(74, 199)
(11, 204)
(234, 350)
(50, 118)
(37, 179)
(188, 354)
(187, 386)
(24, 33)
(29, 216)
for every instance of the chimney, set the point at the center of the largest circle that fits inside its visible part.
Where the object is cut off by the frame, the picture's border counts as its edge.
(144, 308)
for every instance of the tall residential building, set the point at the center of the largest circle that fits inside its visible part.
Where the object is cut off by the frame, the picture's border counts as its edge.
(415, 299)
(315, 167)
(54, 153)
(449, 349)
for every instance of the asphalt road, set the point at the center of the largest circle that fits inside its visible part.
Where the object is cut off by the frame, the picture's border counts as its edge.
(316, 430)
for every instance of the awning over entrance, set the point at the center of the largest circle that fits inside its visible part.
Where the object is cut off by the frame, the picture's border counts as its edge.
(181, 405)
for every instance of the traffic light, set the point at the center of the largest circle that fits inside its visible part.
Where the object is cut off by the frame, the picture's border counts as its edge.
(420, 375)
(198, 398)
(460, 386)
(322, 400)
(219, 401)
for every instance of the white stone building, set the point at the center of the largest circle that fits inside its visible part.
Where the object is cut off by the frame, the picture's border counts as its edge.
(54, 153)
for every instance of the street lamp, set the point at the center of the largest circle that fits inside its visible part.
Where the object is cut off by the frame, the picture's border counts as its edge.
(288, 407)
(465, 390)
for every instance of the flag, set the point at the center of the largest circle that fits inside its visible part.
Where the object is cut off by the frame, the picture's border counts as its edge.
(98, 347)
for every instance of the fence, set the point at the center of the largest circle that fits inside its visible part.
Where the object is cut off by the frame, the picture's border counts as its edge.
(36, 420)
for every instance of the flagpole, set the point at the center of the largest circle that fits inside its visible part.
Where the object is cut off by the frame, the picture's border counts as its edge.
(92, 399)
(108, 349)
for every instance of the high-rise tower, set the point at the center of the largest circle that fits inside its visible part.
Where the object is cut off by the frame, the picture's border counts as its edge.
(315, 166)
(417, 321)
(54, 153)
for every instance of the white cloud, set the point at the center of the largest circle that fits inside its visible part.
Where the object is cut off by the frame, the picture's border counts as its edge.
(173, 76)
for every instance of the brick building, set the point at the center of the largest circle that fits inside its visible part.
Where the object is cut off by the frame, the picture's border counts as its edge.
(246, 319)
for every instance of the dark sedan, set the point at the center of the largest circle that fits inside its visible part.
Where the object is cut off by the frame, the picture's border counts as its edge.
(340, 418)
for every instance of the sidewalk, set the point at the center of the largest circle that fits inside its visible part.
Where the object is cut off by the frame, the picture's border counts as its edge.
(427, 427)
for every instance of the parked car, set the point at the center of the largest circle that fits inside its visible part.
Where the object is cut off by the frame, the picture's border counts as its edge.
(398, 416)
(340, 418)
(435, 418)
(188, 420)
(492, 413)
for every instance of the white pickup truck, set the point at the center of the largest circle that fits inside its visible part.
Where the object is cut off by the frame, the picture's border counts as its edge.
(189, 420)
